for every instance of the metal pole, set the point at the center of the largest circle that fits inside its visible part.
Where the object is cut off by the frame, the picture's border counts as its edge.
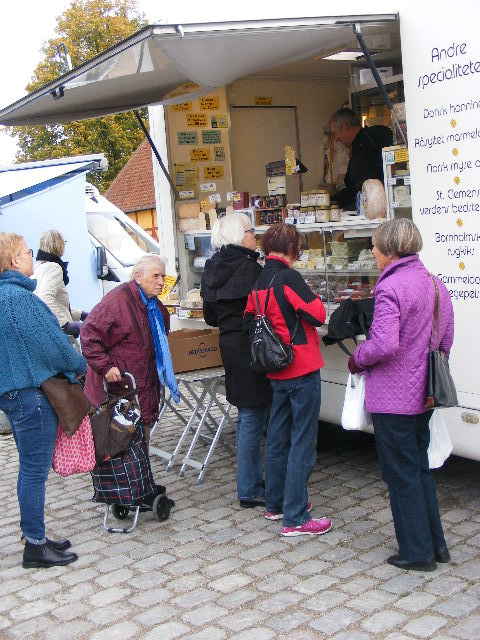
(155, 151)
(358, 33)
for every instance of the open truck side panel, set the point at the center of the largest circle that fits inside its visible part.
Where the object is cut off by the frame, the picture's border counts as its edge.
(441, 66)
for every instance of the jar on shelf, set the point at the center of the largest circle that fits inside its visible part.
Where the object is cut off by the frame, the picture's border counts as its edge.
(322, 214)
(335, 213)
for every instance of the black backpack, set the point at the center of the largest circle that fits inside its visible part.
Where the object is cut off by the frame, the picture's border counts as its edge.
(350, 319)
(268, 351)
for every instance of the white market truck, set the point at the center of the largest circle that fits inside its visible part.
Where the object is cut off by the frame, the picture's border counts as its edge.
(244, 69)
(102, 242)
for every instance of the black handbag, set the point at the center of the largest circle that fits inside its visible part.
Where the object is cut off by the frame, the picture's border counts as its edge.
(268, 351)
(441, 390)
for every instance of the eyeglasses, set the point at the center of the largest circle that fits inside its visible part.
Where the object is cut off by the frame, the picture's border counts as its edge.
(252, 231)
(30, 251)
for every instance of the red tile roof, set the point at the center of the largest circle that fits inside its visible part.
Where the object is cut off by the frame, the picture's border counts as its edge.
(132, 189)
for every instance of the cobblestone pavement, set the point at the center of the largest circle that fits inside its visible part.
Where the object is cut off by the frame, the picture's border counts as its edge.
(216, 571)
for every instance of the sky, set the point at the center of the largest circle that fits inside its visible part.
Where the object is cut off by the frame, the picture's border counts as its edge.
(33, 22)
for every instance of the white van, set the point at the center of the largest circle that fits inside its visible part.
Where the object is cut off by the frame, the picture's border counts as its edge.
(439, 54)
(102, 242)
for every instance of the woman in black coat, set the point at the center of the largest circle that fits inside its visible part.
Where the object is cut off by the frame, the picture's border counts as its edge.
(227, 280)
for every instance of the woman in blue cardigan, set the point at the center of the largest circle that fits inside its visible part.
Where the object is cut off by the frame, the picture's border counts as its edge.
(33, 348)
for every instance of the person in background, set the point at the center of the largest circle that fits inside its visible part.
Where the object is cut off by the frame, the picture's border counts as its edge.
(127, 331)
(365, 144)
(395, 361)
(290, 451)
(33, 348)
(227, 280)
(51, 274)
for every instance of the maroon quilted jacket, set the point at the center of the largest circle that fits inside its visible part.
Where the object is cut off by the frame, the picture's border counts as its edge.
(396, 355)
(117, 334)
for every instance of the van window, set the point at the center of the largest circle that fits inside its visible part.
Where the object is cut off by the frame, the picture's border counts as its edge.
(113, 236)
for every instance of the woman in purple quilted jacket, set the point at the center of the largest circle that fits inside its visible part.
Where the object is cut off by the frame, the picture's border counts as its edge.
(394, 359)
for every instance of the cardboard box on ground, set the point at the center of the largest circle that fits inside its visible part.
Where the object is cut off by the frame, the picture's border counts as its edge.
(194, 349)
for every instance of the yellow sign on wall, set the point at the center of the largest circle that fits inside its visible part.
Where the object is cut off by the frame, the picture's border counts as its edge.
(199, 154)
(209, 103)
(182, 106)
(196, 120)
(263, 101)
(401, 155)
(210, 173)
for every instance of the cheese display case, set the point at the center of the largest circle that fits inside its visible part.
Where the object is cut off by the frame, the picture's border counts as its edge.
(336, 261)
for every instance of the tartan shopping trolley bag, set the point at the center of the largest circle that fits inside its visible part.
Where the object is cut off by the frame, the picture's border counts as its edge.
(125, 482)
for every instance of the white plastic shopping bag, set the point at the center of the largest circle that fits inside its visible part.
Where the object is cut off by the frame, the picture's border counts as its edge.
(354, 415)
(440, 446)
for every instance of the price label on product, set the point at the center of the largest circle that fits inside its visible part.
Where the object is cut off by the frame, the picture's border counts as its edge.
(392, 181)
(394, 205)
(289, 220)
(309, 219)
(183, 314)
(406, 180)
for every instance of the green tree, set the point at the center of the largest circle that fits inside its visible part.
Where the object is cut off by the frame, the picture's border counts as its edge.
(87, 28)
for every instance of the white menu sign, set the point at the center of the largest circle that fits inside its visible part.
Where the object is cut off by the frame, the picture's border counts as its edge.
(441, 66)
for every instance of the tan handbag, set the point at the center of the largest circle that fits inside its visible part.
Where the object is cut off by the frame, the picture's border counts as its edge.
(68, 401)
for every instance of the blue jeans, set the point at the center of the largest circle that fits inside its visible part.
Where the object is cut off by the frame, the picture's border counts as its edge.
(251, 425)
(290, 450)
(34, 427)
(402, 443)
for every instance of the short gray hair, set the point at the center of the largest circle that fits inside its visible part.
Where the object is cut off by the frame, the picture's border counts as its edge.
(145, 263)
(230, 229)
(399, 237)
(52, 241)
(347, 116)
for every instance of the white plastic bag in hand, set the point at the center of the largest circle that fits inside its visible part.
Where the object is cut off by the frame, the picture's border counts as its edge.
(354, 415)
(440, 446)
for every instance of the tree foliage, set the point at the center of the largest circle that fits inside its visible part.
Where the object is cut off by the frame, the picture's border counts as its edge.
(87, 28)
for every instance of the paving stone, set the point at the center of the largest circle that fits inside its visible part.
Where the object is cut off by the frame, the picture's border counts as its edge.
(383, 621)
(209, 633)
(445, 585)
(325, 600)
(70, 630)
(370, 601)
(415, 602)
(468, 629)
(288, 621)
(458, 606)
(403, 583)
(237, 598)
(278, 602)
(242, 619)
(334, 621)
(257, 633)
(156, 614)
(107, 596)
(314, 584)
(121, 631)
(202, 615)
(425, 626)
(195, 597)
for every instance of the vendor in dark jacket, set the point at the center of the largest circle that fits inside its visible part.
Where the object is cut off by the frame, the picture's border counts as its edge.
(227, 280)
(118, 336)
(365, 144)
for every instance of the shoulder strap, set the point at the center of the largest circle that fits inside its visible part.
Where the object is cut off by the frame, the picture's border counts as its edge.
(436, 315)
(266, 299)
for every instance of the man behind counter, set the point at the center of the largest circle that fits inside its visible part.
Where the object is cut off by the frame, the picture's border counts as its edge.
(366, 153)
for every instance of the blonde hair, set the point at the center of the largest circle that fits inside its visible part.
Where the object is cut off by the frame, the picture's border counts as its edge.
(9, 248)
(399, 237)
(145, 263)
(52, 241)
(230, 229)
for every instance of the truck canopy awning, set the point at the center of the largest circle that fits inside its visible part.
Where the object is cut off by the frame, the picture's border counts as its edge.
(168, 64)
(20, 180)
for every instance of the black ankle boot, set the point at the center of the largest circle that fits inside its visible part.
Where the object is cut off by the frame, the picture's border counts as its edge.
(398, 561)
(36, 556)
(58, 545)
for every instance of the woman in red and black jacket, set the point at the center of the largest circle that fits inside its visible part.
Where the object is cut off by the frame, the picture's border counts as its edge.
(290, 449)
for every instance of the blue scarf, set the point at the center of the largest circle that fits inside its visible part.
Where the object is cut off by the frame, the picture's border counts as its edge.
(162, 350)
